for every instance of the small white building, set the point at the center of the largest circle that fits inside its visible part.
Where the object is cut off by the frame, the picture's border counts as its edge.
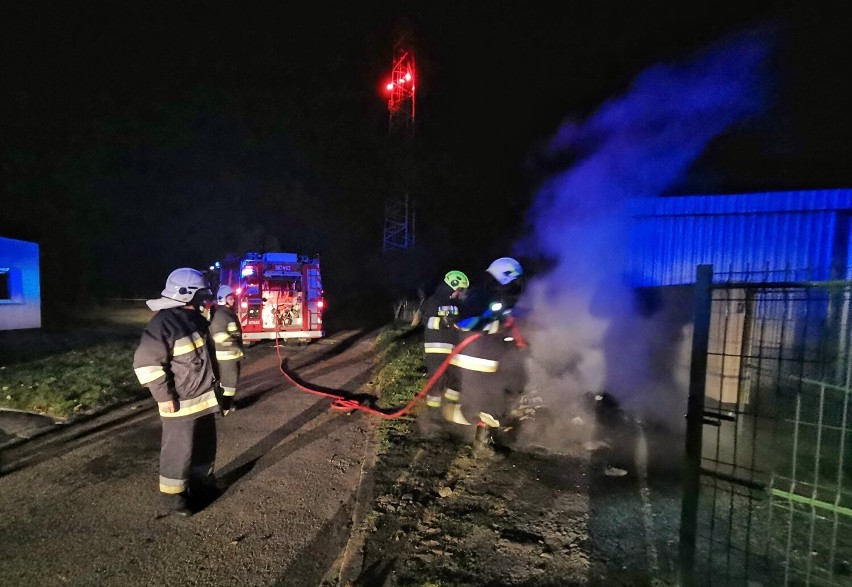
(20, 291)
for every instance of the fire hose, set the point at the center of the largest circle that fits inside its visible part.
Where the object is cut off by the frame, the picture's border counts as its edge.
(343, 400)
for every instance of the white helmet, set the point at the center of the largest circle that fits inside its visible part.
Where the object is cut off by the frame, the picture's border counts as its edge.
(182, 284)
(224, 292)
(505, 270)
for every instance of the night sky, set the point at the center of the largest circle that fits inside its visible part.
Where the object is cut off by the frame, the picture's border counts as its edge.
(139, 137)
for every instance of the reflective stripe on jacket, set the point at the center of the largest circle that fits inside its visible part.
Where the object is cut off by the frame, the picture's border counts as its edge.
(227, 334)
(487, 374)
(173, 360)
(439, 313)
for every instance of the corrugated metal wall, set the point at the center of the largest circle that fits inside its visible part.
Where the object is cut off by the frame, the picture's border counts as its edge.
(776, 236)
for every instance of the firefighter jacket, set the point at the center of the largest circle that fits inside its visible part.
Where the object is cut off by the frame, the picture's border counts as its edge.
(227, 334)
(488, 378)
(173, 360)
(439, 315)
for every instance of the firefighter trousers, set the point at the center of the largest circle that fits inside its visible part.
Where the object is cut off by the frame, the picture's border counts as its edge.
(429, 419)
(433, 363)
(229, 374)
(187, 453)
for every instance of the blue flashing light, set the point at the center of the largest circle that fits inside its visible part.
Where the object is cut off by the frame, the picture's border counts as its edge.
(247, 270)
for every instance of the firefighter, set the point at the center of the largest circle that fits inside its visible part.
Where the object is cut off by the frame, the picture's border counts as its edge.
(501, 284)
(228, 339)
(440, 312)
(174, 361)
(486, 378)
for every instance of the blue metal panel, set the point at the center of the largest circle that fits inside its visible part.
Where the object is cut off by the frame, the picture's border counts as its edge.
(749, 237)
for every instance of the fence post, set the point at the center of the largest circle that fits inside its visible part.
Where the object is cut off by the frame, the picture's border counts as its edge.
(695, 423)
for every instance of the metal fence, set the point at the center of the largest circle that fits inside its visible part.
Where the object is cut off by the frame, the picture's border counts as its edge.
(768, 489)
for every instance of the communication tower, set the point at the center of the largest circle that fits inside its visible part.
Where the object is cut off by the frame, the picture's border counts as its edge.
(399, 230)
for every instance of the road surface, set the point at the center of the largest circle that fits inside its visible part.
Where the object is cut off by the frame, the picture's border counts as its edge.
(80, 504)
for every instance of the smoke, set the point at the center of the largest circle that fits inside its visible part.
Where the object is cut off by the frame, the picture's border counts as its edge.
(590, 330)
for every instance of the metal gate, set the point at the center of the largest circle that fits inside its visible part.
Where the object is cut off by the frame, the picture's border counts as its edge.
(768, 486)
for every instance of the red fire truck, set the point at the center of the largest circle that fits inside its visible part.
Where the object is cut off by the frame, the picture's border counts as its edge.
(279, 295)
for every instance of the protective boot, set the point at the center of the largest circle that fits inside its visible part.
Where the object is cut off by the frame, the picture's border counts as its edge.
(483, 446)
(176, 503)
(203, 491)
(451, 408)
(429, 420)
(229, 407)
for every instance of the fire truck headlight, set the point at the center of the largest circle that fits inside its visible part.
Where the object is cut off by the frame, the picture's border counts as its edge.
(321, 304)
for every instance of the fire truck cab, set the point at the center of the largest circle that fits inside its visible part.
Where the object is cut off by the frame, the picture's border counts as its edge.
(279, 295)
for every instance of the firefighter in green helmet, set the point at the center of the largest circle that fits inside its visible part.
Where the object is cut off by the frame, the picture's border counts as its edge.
(440, 312)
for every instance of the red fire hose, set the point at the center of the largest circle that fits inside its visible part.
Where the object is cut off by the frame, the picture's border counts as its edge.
(342, 402)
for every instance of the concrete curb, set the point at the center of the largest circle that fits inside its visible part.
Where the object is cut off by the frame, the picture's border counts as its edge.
(350, 562)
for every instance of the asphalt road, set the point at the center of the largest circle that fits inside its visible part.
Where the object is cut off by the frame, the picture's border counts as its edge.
(80, 504)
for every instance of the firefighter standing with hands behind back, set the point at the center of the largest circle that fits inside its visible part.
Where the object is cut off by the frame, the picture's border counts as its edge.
(228, 338)
(174, 361)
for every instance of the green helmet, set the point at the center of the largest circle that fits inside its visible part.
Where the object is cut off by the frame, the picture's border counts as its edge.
(456, 279)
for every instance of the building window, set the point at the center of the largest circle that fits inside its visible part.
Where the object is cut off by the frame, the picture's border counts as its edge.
(5, 286)
(11, 286)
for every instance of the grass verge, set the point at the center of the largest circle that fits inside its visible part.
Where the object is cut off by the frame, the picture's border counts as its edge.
(400, 374)
(72, 381)
(61, 374)
(73, 371)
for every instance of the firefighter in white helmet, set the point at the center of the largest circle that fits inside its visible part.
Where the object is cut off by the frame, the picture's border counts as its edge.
(440, 312)
(228, 338)
(500, 284)
(487, 377)
(175, 361)
(505, 270)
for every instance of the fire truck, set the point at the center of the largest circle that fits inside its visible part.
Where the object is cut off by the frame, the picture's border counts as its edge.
(279, 295)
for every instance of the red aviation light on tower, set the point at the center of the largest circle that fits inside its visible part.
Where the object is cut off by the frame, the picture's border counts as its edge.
(401, 85)
(402, 80)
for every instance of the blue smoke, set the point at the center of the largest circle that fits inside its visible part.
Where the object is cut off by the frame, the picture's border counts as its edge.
(636, 145)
